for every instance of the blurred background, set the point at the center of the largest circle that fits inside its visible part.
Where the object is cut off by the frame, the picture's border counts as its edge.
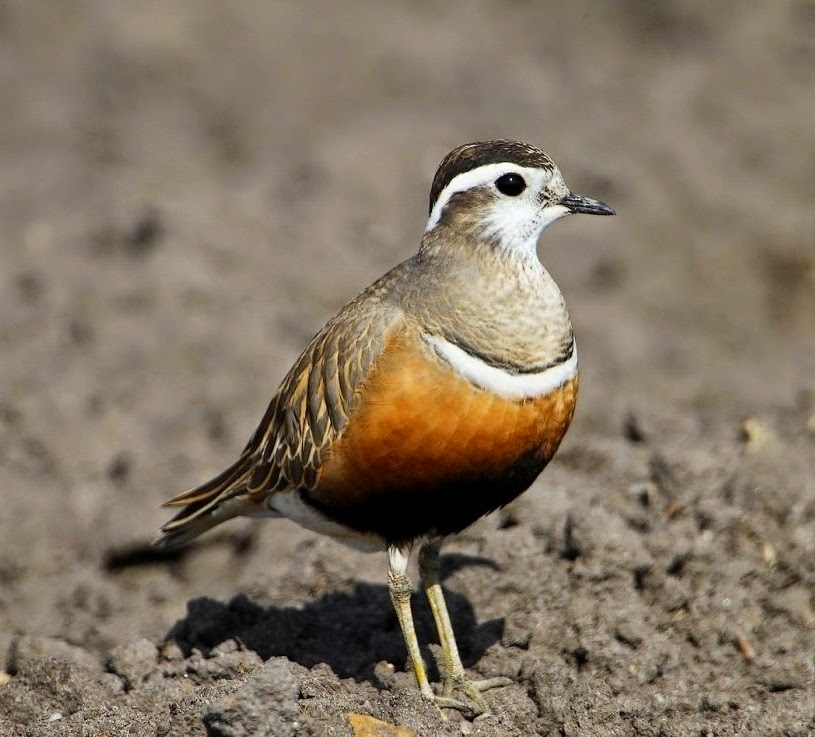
(188, 190)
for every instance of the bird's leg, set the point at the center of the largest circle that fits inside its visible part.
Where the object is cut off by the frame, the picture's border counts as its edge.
(400, 588)
(454, 678)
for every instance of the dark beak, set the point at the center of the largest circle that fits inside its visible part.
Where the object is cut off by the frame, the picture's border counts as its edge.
(578, 204)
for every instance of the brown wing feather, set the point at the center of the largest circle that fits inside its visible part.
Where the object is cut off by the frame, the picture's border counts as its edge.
(318, 396)
(307, 414)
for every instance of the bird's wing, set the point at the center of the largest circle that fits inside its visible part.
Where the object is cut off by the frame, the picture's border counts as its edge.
(306, 415)
(316, 399)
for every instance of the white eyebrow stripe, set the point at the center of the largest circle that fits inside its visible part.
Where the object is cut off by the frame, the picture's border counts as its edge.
(500, 382)
(477, 177)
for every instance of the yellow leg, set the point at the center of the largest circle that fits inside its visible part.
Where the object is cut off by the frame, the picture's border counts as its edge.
(454, 677)
(400, 589)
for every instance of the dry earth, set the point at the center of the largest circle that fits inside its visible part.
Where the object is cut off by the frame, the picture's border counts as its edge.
(189, 189)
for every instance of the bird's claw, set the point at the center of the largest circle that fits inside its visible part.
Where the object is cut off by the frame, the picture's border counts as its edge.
(476, 706)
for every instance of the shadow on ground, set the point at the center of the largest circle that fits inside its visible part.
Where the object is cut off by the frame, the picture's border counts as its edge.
(350, 631)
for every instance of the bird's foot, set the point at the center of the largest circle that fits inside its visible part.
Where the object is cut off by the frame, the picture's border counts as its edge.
(476, 706)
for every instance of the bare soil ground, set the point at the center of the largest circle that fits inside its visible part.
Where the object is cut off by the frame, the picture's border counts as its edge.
(189, 189)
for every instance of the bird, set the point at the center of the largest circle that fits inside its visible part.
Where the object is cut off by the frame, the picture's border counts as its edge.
(433, 398)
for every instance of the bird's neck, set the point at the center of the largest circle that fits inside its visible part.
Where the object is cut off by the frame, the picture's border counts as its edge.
(501, 304)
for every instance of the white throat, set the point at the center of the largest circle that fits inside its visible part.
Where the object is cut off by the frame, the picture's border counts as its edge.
(512, 229)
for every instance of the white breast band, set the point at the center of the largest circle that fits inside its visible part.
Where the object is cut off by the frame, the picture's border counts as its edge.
(500, 382)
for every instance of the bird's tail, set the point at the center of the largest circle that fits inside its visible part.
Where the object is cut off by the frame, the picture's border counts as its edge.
(210, 504)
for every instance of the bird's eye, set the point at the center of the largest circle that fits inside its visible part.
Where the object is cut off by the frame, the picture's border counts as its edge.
(510, 184)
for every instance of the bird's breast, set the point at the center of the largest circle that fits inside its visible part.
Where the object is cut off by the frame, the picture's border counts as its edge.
(432, 435)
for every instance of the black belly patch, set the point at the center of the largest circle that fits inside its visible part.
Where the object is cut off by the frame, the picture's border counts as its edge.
(401, 515)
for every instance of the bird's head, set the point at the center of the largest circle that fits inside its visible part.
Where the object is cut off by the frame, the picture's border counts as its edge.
(503, 194)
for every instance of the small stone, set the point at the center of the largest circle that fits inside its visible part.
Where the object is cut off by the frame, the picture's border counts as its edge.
(367, 726)
(769, 554)
(756, 434)
(222, 665)
(385, 674)
(745, 646)
(224, 648)
(170, 651)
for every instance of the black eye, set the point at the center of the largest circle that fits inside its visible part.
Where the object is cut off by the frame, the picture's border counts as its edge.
(510, 184)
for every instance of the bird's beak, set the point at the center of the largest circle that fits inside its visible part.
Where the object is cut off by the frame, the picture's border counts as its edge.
(578, 204)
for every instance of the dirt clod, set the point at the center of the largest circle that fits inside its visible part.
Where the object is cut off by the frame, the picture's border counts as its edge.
(264, 706)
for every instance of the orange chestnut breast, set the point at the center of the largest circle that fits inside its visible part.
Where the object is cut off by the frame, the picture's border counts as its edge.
(423, 436)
